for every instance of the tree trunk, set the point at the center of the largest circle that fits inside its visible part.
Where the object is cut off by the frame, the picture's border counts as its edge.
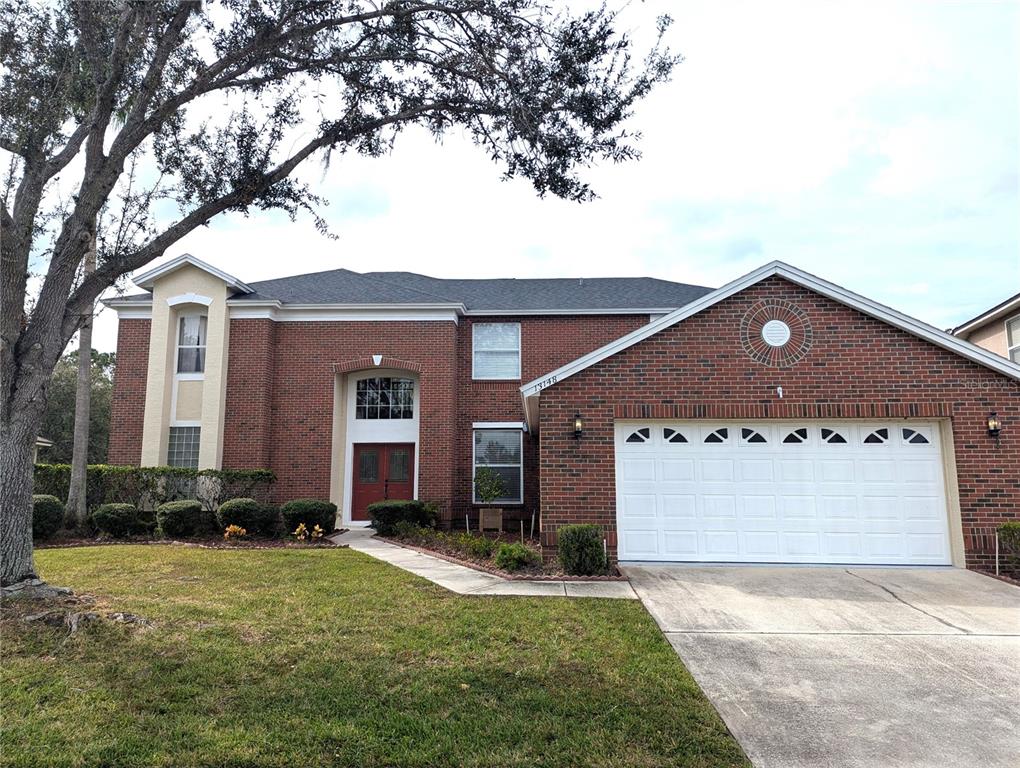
(76, 495)
(17, 436)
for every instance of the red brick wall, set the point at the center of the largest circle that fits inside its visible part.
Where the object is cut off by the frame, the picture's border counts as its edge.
(546, 343)
(857, 367)
(247, 434)
(127, 409)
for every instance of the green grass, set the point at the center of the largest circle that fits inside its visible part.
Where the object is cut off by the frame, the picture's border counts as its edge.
(327, 657)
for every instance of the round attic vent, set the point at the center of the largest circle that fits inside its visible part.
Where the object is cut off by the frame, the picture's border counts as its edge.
(775, 333)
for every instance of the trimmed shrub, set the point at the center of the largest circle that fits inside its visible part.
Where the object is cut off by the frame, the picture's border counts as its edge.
(311, 512)
(47, 515)
(580, 550)
(1009, 535)
(179, 518)
(386, 514)
(149, 487)
(513, 557)
(117, 520)
(247, 514)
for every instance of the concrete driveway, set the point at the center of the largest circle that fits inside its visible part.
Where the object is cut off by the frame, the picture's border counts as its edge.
(849, 666)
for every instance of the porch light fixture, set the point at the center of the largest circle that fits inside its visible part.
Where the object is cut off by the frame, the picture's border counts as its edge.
(994, 425)
(578, 426)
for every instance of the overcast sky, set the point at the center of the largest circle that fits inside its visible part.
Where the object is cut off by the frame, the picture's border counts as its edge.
(874, 144)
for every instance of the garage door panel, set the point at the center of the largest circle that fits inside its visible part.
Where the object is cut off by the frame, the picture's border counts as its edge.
(680, 542)
(832, 492)
(677, 470)
(761, 543)
(674, 506)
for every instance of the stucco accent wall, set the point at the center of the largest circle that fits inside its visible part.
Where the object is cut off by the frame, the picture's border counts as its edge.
(160, 372)
(991, 337)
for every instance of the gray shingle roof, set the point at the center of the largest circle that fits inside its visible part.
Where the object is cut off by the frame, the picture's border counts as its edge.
(342, 286)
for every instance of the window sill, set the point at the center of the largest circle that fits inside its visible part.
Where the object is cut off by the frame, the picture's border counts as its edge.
(189, 376)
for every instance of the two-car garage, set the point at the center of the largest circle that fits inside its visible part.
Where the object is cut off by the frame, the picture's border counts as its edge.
(782, 492)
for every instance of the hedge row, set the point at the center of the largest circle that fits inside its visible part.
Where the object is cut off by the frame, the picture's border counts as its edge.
(147, 488)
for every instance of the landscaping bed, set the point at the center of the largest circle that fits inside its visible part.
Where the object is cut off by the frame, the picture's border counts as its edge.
(466, 549)
(204, 542)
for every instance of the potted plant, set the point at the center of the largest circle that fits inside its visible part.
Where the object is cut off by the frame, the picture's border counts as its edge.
(489, 486)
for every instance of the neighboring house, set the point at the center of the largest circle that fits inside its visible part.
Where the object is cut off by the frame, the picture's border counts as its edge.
(780, 418)
(997, 330)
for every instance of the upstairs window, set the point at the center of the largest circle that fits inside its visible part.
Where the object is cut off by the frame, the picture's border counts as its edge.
(496, 350)
(1013, 338)
(191, 344)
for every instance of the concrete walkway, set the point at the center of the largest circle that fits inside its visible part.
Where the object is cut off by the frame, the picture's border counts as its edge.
(849, 667)
(468, 581)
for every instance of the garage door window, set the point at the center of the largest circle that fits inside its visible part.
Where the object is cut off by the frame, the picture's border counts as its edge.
(672, 436)
(752, 436)
(833, 437)
(878, 437)
(914, 437)
(639, 435)
(720, 435)
(796, 437)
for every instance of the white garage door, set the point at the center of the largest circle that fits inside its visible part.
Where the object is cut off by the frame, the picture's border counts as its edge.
(781, 492)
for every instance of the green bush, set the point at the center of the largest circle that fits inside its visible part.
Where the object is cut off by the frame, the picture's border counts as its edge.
(475, 546)
(117, 520)
(250, 515)
(581, 551)
(311, 512)
(409, 531)
(386, 514)
(47, 515)
(179, 518)
(1009, 535)
(513, 557)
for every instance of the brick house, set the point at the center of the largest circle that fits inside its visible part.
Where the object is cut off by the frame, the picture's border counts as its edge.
(779, 418)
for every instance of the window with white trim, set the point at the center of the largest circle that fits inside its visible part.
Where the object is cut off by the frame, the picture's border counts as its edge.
(1013, 339)
(191, 344)
(496, 350)
(501, 451)
(182, 448)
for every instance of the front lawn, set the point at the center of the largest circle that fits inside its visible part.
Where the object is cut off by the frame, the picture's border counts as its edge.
(327, 657)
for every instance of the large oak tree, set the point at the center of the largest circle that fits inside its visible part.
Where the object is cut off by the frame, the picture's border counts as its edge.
(113, 113)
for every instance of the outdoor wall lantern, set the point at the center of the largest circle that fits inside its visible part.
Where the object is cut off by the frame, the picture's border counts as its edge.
(994, 425)
(578, 426)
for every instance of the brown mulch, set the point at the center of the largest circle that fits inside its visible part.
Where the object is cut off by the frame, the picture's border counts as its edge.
(545, 573)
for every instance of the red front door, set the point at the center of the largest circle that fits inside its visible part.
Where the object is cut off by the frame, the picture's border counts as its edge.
(381, 471)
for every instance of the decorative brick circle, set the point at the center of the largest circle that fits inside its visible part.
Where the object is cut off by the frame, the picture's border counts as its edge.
(793, 351)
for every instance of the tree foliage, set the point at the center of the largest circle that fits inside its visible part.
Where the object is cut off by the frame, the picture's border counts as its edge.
(58, 421)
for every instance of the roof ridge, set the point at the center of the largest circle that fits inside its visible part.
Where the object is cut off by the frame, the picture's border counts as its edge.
(406, 287)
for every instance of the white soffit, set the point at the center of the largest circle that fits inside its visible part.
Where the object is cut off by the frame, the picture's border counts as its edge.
(799, 277)
(146, 280)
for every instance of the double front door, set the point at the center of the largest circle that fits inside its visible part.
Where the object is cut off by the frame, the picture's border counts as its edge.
(381, 471)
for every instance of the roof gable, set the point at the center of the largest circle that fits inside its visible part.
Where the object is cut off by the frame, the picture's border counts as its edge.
(841, 295)
(148, 279)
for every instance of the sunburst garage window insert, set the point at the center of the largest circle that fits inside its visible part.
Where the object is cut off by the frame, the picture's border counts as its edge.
(500, 451)
(496, 351)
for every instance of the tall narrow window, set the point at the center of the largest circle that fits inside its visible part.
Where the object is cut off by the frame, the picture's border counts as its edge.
(191, 344)
(500, 451)
(496, 350)
(182, 450)
(1013, 338)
